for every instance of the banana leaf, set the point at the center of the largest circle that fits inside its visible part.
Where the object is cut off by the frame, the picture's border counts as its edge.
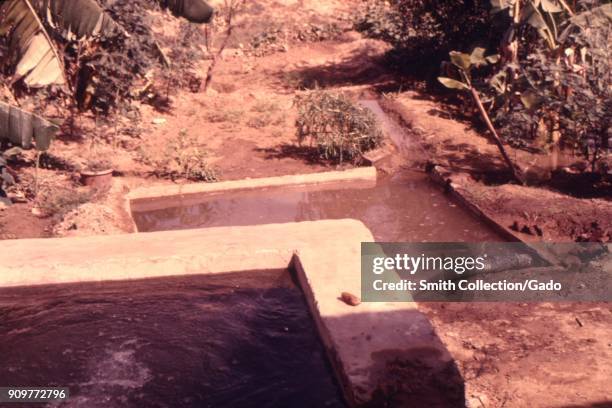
(37, 59)
(25, 129)
(76, 19)
(598, 16)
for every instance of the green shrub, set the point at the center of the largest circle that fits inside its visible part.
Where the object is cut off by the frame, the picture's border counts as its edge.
(339, 129)
(422, 30)
(561, 95)
(184, 157)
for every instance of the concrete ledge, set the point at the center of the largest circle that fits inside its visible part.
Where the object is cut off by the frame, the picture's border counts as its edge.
(361, 341)
(156, 192)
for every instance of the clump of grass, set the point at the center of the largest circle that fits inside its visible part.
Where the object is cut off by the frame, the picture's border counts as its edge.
(183, 158)
(340, 129)
(220, 115)
(265, 106)
(259, 121)
(56, 201)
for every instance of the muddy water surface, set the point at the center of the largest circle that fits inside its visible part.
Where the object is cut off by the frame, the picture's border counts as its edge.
(231, 340)
(404, 207)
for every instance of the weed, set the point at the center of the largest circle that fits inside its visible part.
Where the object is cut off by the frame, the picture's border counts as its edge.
(340, 130)
(183, 158)
(265, 106)
(55, 201)
(259, 122)
(220, 115)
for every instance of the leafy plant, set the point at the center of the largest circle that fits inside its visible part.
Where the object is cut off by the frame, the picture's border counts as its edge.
(464, 63)
(39, 62)
(558, 95)
(423, 31)
(183, 157)
(550, 88)
(96, 164)
(339, 129)
(34, 28)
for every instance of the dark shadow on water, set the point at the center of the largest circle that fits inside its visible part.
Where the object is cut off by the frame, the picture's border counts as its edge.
(231, 340)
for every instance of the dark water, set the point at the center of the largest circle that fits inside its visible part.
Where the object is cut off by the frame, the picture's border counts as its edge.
(232, 340)
(404, 208)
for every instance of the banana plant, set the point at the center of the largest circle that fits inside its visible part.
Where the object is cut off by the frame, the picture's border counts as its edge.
(464, 63)
(31, 47)
(539, 14)
(30, 26)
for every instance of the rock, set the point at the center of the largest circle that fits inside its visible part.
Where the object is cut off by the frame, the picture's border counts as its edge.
(37, 212)
(159, 121)
(350, 299)
(18, 198)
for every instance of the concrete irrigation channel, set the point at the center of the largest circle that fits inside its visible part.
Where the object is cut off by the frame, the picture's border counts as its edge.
(295, 232)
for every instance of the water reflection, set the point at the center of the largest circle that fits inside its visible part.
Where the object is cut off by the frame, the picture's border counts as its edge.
(405, 207)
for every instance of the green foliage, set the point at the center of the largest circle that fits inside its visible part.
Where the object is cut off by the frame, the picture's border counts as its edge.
(464, 64)
(561, 96)
(339, 129)
(183, 158)
(427, 29)
(552, 87)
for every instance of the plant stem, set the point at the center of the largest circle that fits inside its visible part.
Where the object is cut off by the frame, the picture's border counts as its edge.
(516, 173)
(233, 7)
(36, 174)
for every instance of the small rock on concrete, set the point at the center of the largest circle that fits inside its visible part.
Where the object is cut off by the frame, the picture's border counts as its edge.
(350, 299)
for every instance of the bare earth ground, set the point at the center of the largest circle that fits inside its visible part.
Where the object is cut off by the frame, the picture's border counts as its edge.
(509, 355)
(529, 355)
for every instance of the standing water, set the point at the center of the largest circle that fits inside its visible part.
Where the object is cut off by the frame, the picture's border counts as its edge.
(404, 207)
(231, 340)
